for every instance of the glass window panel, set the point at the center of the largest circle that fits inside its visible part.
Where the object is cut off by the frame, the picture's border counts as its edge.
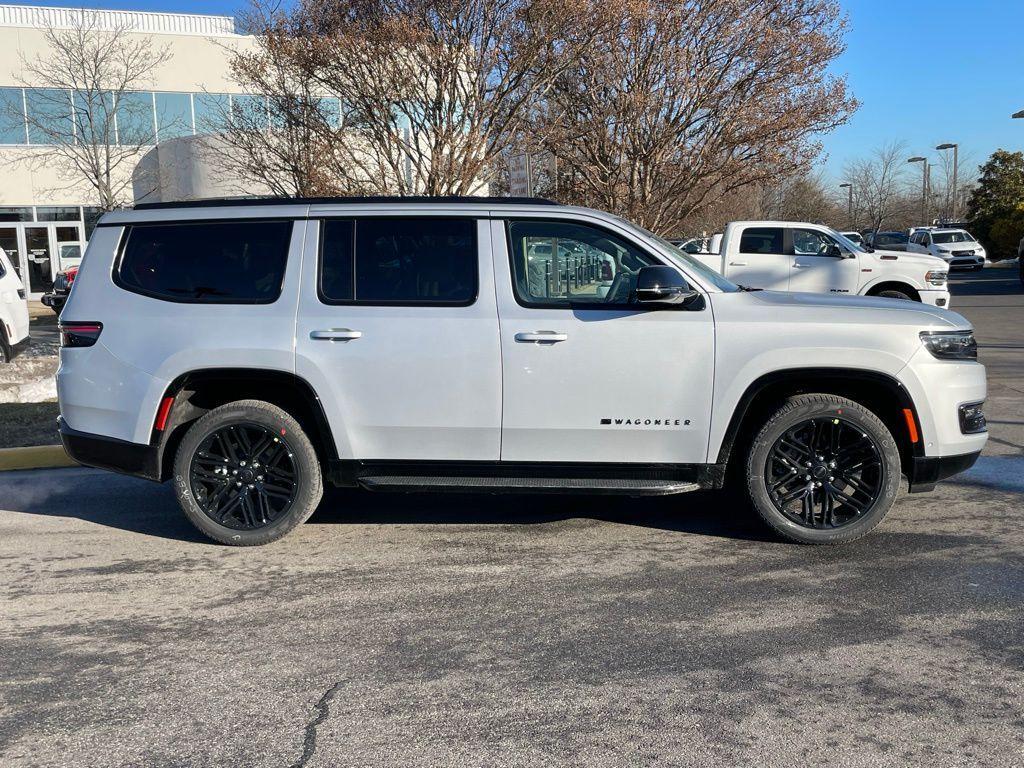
(336, 265)
(330, 108)
(92, 215)
(211, 262)
(94, 111)
(212, 111)
(135, 118)
(249, 112)
(558, 263)
(66, 234)
(49, 115)
(16, 214)
(57, 213)
(767, 240)
(173, 115)
(12, 116)
(416, 261)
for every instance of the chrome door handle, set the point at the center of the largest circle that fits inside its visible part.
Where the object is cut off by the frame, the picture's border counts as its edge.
(335, 334)
(541, 337)
(798, 265)
(737, 263)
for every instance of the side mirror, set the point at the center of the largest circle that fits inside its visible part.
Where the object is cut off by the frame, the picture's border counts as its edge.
(835, 251)
(663, 285)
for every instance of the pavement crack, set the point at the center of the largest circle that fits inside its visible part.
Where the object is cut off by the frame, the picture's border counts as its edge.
(323, 710)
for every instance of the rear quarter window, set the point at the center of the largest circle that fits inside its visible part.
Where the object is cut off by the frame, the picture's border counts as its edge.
(230, 262)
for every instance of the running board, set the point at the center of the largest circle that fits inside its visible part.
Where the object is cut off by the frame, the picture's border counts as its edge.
(472, 484)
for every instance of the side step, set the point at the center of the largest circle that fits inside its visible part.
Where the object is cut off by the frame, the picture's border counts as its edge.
(597, 485)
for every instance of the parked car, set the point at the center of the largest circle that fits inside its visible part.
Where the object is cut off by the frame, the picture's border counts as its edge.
(1020, 259)
(58, 295)
(796, 256)
(853, 237)
(14, 330)
(248, 352)
(887, 241)
(957, 247)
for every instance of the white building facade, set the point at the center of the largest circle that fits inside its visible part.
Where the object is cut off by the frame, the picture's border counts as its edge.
(45, 219)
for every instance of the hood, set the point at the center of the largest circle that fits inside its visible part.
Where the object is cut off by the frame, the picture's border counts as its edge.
(827, 307)
(924, 260)
(975, 246)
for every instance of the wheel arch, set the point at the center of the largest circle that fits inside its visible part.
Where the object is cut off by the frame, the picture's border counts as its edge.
(904, 286)
(199, 391)
(883, 394)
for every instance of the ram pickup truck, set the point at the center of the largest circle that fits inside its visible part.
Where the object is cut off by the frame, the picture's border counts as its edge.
(796, 256)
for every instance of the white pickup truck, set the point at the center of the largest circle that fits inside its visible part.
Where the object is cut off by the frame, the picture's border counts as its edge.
(794, 256)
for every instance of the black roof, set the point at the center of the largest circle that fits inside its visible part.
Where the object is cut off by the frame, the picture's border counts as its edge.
(221, 202)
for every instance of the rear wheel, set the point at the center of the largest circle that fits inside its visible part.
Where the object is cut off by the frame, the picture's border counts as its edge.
(823, 470)
(246, 474)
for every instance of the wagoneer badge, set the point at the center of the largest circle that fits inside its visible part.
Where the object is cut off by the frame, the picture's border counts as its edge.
(647, 422)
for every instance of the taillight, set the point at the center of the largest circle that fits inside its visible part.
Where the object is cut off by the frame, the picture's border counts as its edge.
(79, 334)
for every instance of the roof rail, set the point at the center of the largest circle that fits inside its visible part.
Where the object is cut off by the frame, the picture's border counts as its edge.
(221, 202)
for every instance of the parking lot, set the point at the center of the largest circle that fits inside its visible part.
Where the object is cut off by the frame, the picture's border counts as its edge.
(479, 630)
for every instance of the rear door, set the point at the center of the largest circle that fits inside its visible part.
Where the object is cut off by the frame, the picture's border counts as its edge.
(761, 259)
(397, 331)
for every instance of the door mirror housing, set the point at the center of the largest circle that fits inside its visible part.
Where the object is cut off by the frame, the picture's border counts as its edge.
(664, 286)
(836, 252)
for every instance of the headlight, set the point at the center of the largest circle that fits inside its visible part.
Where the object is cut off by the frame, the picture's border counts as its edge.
(951, 345)
(936, 277)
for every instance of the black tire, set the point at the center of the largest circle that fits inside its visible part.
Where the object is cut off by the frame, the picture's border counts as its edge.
(6, 353)
(850, 520)
(286, 445)
(892, 293)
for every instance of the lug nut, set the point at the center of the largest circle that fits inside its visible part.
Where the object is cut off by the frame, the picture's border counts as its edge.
(242, 462)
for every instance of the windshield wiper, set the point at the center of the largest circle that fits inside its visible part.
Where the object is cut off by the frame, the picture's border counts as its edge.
(747, 288)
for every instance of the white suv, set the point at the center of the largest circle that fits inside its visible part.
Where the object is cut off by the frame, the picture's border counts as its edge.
(249, 350)
(14, 322)
(957, 247)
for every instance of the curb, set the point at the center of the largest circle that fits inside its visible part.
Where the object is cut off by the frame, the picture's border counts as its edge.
(35, 457)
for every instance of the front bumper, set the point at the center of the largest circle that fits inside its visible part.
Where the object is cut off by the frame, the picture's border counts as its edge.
(936, 298)
(926, 471)
(138, 460)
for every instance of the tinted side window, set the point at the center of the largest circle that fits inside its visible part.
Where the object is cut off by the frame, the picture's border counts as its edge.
(231, 262)
(385, 260)
(562, 264)
(762, 240)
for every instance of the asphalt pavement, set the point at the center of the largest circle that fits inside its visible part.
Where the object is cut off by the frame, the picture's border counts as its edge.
(523, 631)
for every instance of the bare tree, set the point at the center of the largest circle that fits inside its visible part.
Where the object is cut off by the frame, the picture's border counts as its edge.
(432, 92)
(879, 186)
(90, 116)
(683, 102)
(801, 198)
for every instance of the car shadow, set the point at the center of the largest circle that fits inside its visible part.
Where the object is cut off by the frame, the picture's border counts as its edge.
(141, 507)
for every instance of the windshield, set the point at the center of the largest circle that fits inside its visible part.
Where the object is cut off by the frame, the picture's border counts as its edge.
(706, 272)
(849, 244)
(952, 237)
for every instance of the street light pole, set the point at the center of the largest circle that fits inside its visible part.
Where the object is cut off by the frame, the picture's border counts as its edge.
(849, 202)
(924, 187)
(956, 168)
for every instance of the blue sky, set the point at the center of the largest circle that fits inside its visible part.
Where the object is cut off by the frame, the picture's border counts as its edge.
(926, 72)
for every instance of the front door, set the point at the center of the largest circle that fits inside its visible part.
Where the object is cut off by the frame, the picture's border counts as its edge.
(397, 332)
(762, 259)
(587, 375)
(821, 264)
(9, 242)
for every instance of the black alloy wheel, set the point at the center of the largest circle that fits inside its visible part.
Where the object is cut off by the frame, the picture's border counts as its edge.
(243, 476)
(823, 469)
(824, 473)
(246, 474)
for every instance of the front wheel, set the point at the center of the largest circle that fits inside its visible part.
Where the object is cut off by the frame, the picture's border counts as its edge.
(823, 470)
(895, 294)
(246, 474)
